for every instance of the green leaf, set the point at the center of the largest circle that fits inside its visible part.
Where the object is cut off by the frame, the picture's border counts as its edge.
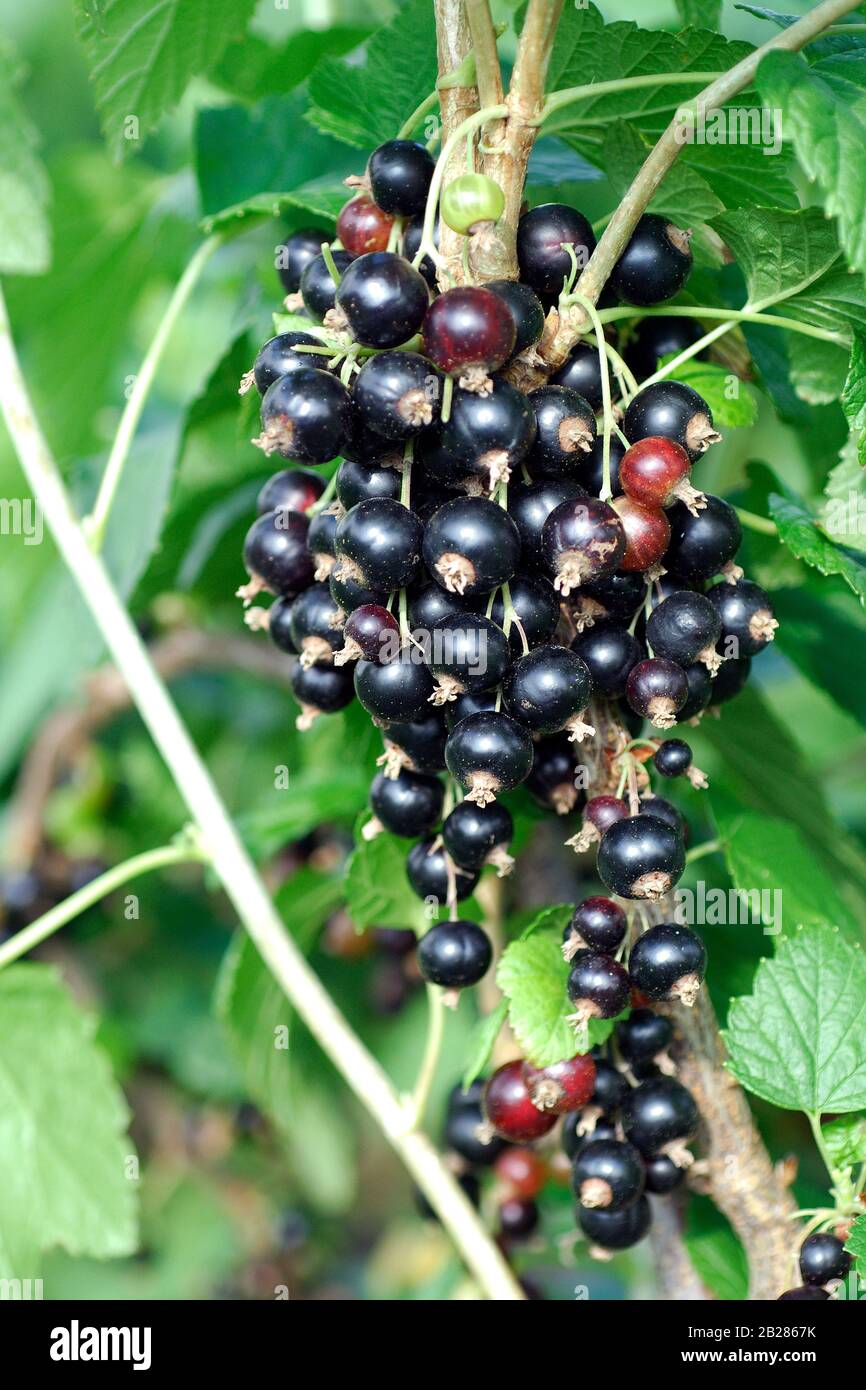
(718, 1257)
(321, 1148)
(321, 200)
(844, 512)
(252, 68)
(770, 864)
(814, 627)
(854, 397)
(64, 1149)
(683, 195)
(701, 13)
(378, 893)
(731, 400)
(364, 105)
(554, 918)
(800, 534)
(828, 136)
(483, 1041)
(845, 1139)
(781, 254)
(25, 241)
(856, 1245)
(142, 53)
(798, 1040)
(312, 796)
(533, 976)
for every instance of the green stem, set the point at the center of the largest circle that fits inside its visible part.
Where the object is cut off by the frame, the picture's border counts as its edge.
(557, 100)
(591, 311)
(733, 316)
(184, 851)
(753, 522)
(328, 258)
(96, 523)
(326, 497)
(814, 1118)
(478, 118)
(418, 115)
(432, 1053)
(700, 851)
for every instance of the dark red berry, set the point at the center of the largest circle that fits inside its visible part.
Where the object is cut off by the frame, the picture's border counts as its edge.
(655, 472)
(521, 1172)
(531, 504)
(657, 689)
(598, 986)
(370, 632)
(604, 811)
(383, 298)
(518, 1218)
(469, 329)
(363, 227)
(647, 532)
(640, 857)
(509, 1108)
(563, 1086)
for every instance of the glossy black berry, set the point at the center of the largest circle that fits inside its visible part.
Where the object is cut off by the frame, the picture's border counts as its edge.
(454, 954)
(525, 308)
(673, 758)
(823, 1257)
(610, 652)
(306, 416)
(320, 690)
(615, 596)
(611, 1088)
(466, 1132)
(409, 804)
(471, 546)
(472, 834)
(663, 1175)
(702, 689)
(465, 652)
(657, 689)
(433, 875)
(573, 1142)
(643, 1035)
(656, 338)
(658, 1113)
(581, 540)
(592, 471)
(431, 603)
(616, 1230)
(668, 962)
(655, 264)
(581, 372)
(746, 616)
(399, 172)
(382, 538)
(292, 490)
(608, 1175)
(383, 298)
(358, 482)
(399, 689)
(280, 625)
(518, 1218)
(346, 589)
(640, 857)
(295, 255)
(806, 1293)
(275, 552)
(279, 355)
(397, 394)
(597, 923)
(702, 545)
(553, 778)
(547, 690)
(685, 628)
(320, 543)
(598, 986)
(473, 702)
(565, 431)
(317, 625)
(729, 681)
(488, 754)
(489, 434)
(420, 742)
(544, 264)
(531, 504)
(663, 810)
(674, 411)
(536, 606)
(318, 290)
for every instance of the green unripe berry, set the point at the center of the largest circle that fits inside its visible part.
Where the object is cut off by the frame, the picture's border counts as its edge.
(469, 199)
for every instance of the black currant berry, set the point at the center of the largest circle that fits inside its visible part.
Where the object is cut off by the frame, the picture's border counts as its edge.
(276, 555)
(616, 596)
(581, 540)
(489, 434)
(535, 611)
(806, 1293)
(647, 533)
(431, 603)
(509, 1108)
(656, 338)
(409, 804)
(608, 1175)
(279, 622)
(358, 482)
(467, 1132)
(317, 625)
(575, 1136)
(563, 1086)
(746, 615)
(544, 264)
(823, 1257)
(518, 1218)
(616, 1230)
(417, 744)
(370, 632)
(318, 289)
(598, 924)
(382, 539)
(548, 690)
(454, 954)
(478, 835)
(552, 780)
(663, 810)
(482, 702)
(592, 471)
(640, 857)
(702, 689)
(685, 628)
(531, 504)
(292, 490)
(663, 1175)
(565, 431)
(278, 356)
(668, 962)
(525, 308)
(598, 986)
(320, 690)
(704, 544)
(610, 1090)
(398, 689)
(581, 372)
(655, 264)
(348, 592)
(465, 652)
(658, 1116)
(643, 1035)
(673, 758)
(433, 875)
(610, 652)
(488, 754)
(383, 299)
(363, 227)
(412, 234)
(295, 255)
(397, 394)
(658, 690)
(306, 416)
(674, 411)
(471, 546)
(399, 172)
(469, 332)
